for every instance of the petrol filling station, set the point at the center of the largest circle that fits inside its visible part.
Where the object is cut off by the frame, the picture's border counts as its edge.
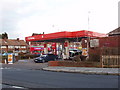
(61, 42)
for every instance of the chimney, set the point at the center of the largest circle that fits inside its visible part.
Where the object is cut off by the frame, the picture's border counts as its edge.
(18, 39)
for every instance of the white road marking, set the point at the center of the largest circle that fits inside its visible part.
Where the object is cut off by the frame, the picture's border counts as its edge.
(17, 87)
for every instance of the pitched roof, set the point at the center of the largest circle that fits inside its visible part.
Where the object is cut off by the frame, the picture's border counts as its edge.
(13, 42)
(115, 32)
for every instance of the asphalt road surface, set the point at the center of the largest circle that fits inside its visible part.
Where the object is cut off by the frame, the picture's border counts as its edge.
(27, 74)
(26, 64)
(46, 79)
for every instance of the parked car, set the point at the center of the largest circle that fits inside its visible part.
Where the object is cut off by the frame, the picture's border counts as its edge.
(74, 52)
(4, 54)
(46, 58)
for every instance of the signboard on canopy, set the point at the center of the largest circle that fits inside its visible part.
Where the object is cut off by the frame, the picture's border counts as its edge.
(37, 48)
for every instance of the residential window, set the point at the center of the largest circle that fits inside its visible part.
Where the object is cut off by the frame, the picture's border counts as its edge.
(17, 46)
(23, 46)
(24, 51)
(3, 46)
(10, 46)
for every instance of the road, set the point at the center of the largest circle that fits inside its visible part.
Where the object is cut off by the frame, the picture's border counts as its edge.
(45, 79)
(26, 64)
(28, 77)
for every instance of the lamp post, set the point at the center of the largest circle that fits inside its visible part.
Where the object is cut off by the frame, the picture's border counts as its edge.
(88, 20)
(88, 42)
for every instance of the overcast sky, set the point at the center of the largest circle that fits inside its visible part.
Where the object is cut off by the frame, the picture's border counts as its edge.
(21, 18)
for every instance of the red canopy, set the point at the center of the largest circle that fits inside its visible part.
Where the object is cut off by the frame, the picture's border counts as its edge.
(64, 34)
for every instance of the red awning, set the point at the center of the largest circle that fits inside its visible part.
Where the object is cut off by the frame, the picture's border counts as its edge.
(64, 34)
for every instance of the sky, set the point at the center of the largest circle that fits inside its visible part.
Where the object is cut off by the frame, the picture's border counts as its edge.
(21, 18)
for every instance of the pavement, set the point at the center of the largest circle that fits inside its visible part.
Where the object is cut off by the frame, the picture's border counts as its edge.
(85, 70)
(29, 64)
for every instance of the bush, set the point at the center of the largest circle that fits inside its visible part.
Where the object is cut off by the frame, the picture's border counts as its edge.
(3, 58)
(94, 57)
(10, 52)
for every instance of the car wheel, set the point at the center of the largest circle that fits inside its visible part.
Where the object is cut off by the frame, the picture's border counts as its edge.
(43, 61)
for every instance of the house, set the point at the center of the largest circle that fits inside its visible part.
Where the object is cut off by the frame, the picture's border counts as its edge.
(13, 45)
(115, 32)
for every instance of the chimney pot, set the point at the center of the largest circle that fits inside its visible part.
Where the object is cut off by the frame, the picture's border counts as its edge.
(17, 39)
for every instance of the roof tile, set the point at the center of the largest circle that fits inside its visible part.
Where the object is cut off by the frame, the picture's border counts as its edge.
(13, 42)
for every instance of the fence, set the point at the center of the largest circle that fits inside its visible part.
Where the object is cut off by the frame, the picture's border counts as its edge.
(110, 61)
(110, 57)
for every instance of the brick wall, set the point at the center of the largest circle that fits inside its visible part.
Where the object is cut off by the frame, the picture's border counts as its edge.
(73, 64)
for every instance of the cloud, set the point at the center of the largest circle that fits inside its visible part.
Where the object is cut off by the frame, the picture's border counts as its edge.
(21, 18)
(32, 7)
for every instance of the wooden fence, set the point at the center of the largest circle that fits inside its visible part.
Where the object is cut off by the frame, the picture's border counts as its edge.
(110, 61)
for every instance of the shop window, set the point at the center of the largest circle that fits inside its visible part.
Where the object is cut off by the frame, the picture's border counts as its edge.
(10, 46)
(3, 46)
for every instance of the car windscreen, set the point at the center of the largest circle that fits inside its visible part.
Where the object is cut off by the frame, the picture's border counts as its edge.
(42, 56)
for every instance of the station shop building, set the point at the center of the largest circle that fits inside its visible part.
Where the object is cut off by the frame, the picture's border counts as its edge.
(62, 42)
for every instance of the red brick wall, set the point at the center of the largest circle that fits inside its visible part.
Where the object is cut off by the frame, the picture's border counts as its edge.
(107, 46)
(74, 64)
(110, 41)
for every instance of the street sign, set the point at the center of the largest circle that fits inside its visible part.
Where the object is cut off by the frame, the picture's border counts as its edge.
(10, 58)
(94, 43)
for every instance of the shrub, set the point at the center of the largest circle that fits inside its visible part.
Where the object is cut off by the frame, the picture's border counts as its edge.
(94, 57)
(3, 58)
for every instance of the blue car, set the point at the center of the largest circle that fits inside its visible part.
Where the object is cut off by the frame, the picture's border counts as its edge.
(5, 54)
(46, 58)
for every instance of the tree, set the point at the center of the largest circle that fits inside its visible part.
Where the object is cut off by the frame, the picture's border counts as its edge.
(0, 36)
(4, 35)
